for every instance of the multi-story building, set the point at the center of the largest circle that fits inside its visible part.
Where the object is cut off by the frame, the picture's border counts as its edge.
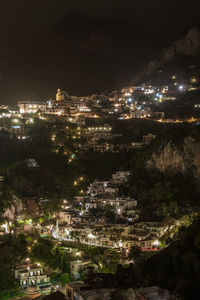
(59, 108)
(31, 275)
(120, 204)
(31, 106)
(141, 112)
(73, 290)
(99, 132)
(66, 216)
(120, 176)
(90, 205)
(61, 95)
(77, 267)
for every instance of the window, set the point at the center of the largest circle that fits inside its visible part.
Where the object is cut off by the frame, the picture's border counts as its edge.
(31, 273)
(69, 293)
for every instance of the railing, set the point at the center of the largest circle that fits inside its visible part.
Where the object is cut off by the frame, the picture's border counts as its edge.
(58, 237)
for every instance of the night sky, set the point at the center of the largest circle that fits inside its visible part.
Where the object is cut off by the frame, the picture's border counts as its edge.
(83, 46)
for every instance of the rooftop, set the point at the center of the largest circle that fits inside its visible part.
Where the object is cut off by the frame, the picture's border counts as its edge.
(76, 284)
(155, 293)
(24, 267)
(97, 294)
(57, 296)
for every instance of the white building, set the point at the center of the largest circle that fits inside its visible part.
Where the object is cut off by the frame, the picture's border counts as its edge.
(31, 107)
(66, 216)
(120, 204)
(31, 275)
(77, 267)
(90, 205)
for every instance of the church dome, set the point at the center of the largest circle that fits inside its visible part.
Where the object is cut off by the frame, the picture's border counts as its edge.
(32, 291)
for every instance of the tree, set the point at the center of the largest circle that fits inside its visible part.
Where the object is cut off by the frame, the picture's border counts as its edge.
(19, 246)
(43, 251)
(64, 278)
(134, 252)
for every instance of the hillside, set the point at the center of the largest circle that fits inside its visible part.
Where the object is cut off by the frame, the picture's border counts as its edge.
(188, 46)
(177, 267)
(186, 106)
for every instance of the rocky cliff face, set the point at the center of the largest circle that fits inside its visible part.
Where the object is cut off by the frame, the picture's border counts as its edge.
(14, 210)
(188, 46)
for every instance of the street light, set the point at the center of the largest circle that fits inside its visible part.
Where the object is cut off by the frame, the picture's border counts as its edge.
(91, 236)
(120, 244)
(156, 243)
(15, 121)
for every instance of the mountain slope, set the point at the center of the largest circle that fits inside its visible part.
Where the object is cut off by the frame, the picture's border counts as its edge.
(177, 267)
(187, 46)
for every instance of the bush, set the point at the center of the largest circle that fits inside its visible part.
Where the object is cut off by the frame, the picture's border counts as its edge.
(64, 278)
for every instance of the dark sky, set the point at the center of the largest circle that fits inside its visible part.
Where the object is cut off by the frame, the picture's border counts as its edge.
(39, 53)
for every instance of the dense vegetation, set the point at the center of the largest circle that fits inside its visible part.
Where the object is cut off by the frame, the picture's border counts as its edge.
(165, 180)
(54, 177)
(177, 267)
(12, 251)
(183, 107)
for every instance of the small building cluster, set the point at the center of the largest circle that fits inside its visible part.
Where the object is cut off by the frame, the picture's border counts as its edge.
(103, 218)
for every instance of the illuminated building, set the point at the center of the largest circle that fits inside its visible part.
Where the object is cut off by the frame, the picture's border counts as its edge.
(60, 106)
(31, 275)
(78, 266)
(99, 132)
(31, 107)
(66, 216)
(61, 95)
(128, 90)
